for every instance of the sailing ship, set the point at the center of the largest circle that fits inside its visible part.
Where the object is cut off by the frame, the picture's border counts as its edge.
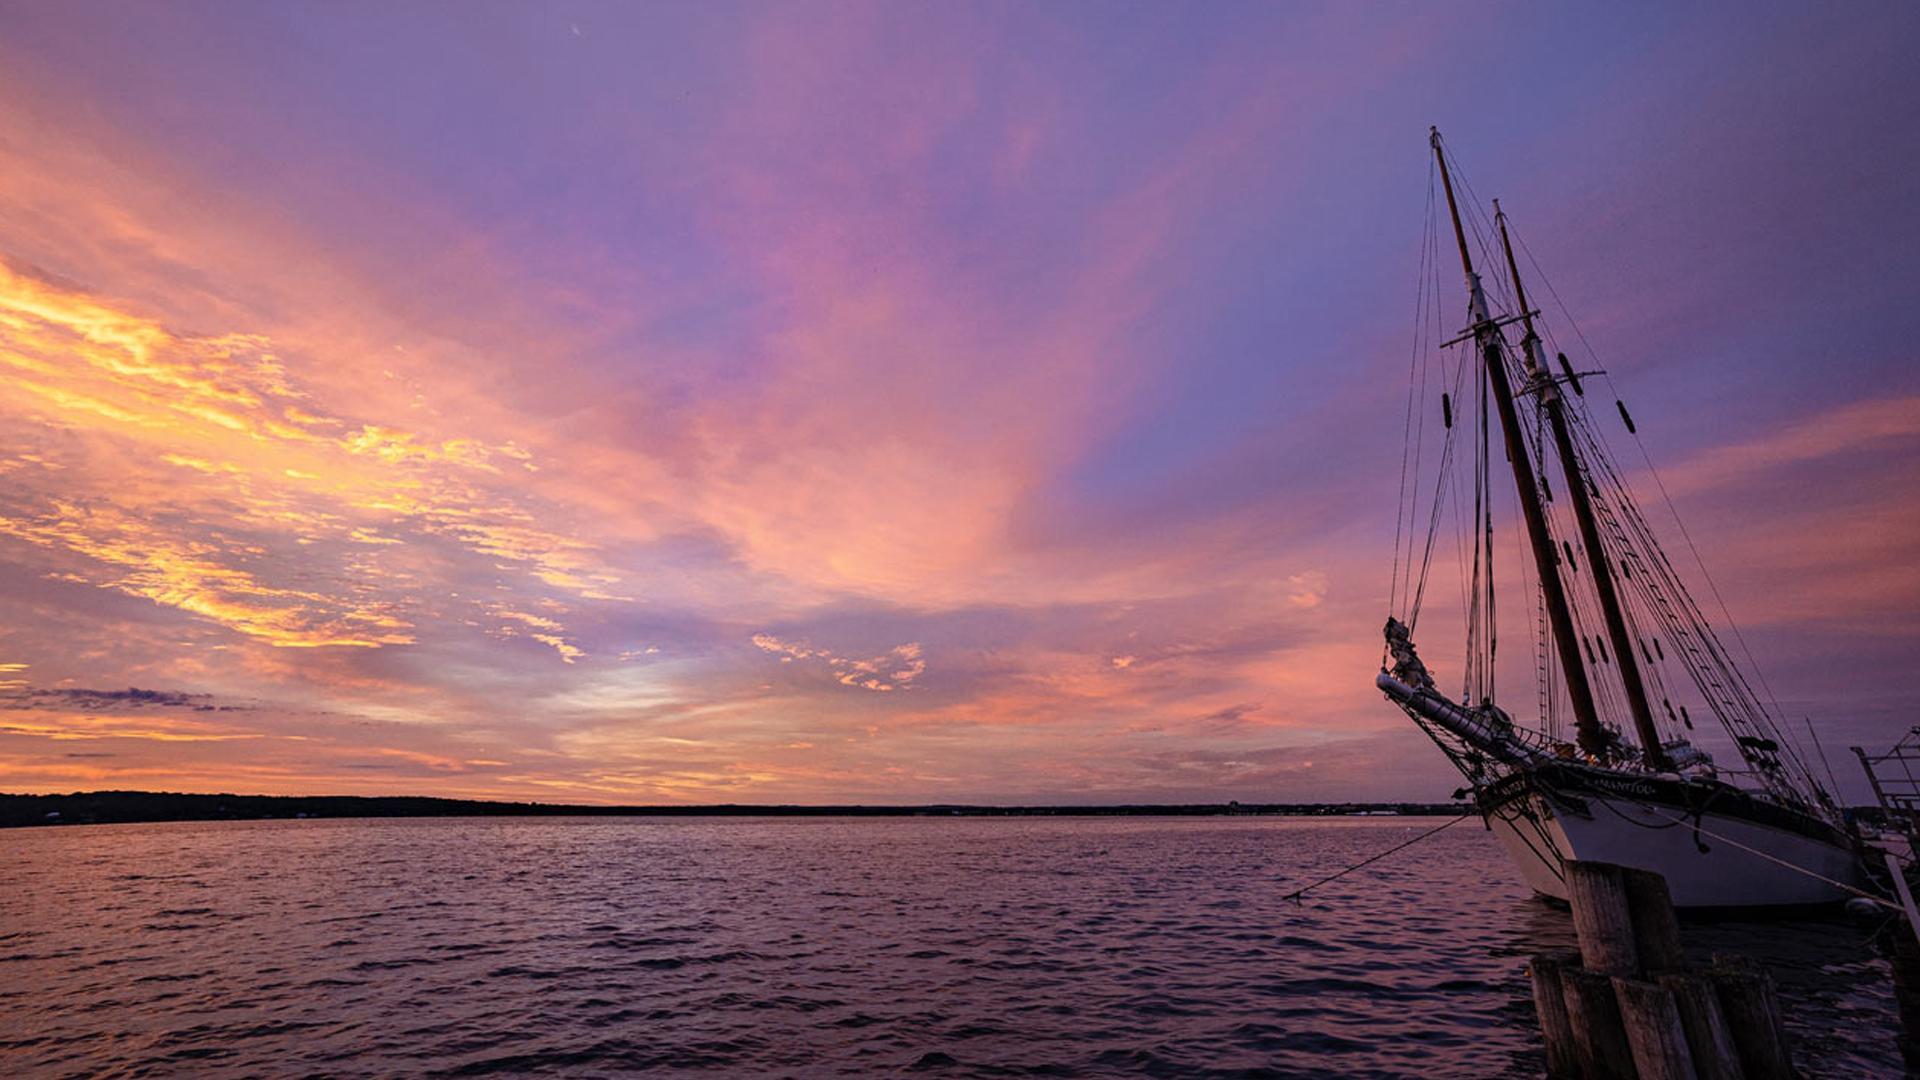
(1622, 650)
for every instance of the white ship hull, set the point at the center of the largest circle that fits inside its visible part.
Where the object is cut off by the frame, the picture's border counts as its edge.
(1718, 846)
(1727, 874)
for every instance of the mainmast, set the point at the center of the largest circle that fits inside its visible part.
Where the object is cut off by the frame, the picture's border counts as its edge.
(1538, 382)
(1486, 337)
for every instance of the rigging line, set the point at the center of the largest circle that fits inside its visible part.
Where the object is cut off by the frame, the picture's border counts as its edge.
(1712, 586)
(1413, 363)
(1413, 506)
(1441, 490)
(1527, 814)
(1537, 628)
(1636, 823)
(1561, 304)
(1425, 297)
(1734, 691)
(1617, 545)
(1432, 328)
(1468, 589)
(1524, 812)
(1484, 533)
(1493, 269)
(1676, 618)
(1436, 512)
(1468, 592)
(1427, 354)
(1407, 513)
(1457, 757)
(1704, 831)
(1815, 736)
(1296, 894)
(1474, 673)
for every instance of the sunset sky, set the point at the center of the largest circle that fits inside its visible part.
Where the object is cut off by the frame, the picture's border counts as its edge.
(891, 403)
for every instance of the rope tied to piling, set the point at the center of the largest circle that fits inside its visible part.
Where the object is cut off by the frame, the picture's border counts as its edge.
(1296, 894)
(1730, 842)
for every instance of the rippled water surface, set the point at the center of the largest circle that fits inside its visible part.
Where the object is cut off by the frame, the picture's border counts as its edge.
(810, 947)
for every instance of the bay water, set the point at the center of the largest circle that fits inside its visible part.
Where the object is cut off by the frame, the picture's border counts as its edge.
(950, 946)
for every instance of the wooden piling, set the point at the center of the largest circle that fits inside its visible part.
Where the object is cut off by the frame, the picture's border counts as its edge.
(1550, 1001)
(1656, 929)
(1714, 1055)
(1904, 955)
(1654, 1032)
(1602, 917)
(1752, 1016)
(1630, 1006)
(1599, 1036)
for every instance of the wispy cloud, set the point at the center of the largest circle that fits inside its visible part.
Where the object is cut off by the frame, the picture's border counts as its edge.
(1887, 427)
(894, 669)
(757, 407)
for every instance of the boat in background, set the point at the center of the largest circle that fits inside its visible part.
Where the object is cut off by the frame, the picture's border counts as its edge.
(1621, 648)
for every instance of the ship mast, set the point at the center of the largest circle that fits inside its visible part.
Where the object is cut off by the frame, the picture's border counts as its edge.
(1486, 337)
(1538, 382)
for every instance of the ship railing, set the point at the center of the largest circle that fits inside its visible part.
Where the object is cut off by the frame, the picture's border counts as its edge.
(1895, 777)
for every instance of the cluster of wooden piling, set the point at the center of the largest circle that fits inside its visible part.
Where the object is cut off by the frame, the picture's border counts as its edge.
(1626, 1005)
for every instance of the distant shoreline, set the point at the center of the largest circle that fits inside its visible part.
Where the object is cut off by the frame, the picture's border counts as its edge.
(131, 807)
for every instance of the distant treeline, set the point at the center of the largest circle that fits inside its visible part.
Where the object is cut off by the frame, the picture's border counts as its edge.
(114, 807)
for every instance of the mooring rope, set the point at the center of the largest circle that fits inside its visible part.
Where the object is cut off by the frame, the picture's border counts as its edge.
(1697, 827)
(1296, 894)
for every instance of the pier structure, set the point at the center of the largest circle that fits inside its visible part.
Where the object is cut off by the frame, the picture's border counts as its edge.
(1628, 1005)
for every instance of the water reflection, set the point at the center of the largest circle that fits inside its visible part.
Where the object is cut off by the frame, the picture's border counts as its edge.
(964, 946)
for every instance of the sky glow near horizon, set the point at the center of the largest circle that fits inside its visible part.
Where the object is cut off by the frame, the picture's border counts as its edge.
(891, 403)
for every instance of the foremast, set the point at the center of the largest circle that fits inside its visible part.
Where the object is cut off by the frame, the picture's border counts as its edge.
(1592, 737)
